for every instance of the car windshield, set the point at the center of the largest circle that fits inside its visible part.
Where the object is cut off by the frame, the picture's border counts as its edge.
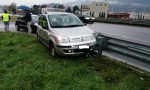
(64, 20)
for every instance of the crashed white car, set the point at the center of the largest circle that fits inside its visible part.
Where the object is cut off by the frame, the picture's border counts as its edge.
(64, 34)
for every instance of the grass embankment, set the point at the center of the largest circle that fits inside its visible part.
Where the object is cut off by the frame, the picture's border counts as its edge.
(26, 65)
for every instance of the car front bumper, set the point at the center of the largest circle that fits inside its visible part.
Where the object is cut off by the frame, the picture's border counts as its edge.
(76, 49)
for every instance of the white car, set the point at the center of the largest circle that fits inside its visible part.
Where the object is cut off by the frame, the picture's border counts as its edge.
(64, 34)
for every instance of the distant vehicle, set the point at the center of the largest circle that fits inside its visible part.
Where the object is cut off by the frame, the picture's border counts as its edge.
(22, 24)
(65, 34)
(18, 15)
(86, 18)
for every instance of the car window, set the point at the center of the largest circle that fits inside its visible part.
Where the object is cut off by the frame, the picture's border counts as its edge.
(44, 23)
(40, 20)
(64, 20)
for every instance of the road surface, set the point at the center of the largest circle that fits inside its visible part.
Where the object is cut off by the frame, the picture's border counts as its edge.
(135, 34)
(11, 26)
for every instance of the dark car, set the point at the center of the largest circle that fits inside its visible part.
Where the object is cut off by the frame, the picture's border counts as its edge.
(86, 18)
(22, 24)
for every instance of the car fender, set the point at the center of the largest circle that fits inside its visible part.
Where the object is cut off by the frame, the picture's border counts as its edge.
(52, 38)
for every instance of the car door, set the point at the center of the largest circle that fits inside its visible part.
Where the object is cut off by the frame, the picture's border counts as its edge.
(45, 31)
(40, 30)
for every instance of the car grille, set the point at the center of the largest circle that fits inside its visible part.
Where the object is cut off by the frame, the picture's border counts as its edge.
(82, 39)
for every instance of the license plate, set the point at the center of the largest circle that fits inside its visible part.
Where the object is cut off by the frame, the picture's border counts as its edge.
(84, 47)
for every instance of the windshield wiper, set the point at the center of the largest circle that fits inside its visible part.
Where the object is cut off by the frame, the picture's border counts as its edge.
(57, 26)
(66, 26)
(73, 26)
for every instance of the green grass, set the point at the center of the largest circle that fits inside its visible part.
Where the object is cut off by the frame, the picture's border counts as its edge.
(26, 65)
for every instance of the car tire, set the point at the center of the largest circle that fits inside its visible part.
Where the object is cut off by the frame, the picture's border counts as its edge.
(17, 27)
(52, 50)
(27, 30)
(34, 29)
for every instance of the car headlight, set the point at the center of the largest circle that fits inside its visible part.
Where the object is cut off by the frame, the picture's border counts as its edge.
(87, 18)
(93, 18)
(63, 39)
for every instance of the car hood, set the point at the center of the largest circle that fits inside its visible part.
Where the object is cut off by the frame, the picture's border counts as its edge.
(73, 31)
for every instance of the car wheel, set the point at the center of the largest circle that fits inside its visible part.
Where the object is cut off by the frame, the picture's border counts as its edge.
(52, 50)
(17, 28)
(34, 29)
(26, 29)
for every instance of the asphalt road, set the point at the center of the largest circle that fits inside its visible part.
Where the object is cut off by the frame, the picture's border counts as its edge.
(135, 34)
(11, 26)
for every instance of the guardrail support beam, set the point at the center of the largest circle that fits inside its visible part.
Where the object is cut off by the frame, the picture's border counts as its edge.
(100, 41)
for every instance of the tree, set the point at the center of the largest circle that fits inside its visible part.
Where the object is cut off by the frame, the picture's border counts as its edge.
(69, 10)
(75, 8)
(104, 15)
(36, 9)
(54, 6)
(12, 8)
(43, 6)
(100, 15)
(61, 6)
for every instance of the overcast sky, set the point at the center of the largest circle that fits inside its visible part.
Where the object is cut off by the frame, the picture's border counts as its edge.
(32, 2)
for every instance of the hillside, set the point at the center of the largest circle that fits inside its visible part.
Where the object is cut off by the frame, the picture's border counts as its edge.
(121, 5)
(130, 6)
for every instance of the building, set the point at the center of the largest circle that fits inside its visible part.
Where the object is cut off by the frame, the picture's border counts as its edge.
(118, 15)
(140, 16)
(95, 9)
(44, 10)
